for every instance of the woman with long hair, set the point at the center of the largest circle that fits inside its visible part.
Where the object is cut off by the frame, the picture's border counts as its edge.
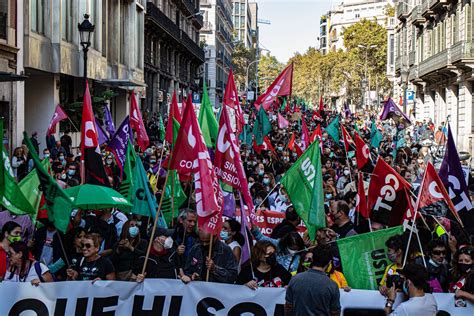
(11, 232)
(232, 237)
(463, 274)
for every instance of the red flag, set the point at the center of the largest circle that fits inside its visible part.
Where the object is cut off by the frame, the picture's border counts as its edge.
(231, 99)
(304, 136)
(321, 105)
(267, 145)
(317, 133)
(315, 116)
(190, 155)
(58, 116)
(291, 143)
(387, 198)
(347, 138)
(228, 164)
(282, 122)
(173, 114)
(279, 88)
(362, 151)
(361, 201)
(136, 123)
(433, 194)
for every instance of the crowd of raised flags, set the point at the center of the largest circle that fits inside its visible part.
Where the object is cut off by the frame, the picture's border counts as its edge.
(278, 154)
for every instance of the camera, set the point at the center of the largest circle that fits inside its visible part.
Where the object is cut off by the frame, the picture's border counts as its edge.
(395, 279)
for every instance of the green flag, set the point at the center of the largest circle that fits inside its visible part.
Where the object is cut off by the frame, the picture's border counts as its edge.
(283, 105)
(58, 202)
(333, 129)
(207, 120)
(246, 136)
(261, 127)
(303, 183)
(161, 129)
(364, 257)
(126, 185)
(179, 197)
(375, 136)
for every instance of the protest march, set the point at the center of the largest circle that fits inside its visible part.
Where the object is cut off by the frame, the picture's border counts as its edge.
(265, 208)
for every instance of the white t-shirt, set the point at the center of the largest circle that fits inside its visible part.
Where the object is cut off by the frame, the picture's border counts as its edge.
(234, 245)
(30, 277)
(423, 305)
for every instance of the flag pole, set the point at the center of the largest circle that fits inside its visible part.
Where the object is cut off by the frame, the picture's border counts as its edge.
(270, 192)
(172, 198)
(157, 215)
(209, 256)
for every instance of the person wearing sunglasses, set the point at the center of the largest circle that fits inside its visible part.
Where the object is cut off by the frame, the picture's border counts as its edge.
(91, 266)
(437, 266)
(463, 273)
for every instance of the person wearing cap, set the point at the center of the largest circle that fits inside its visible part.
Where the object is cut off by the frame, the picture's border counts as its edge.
(415, 281)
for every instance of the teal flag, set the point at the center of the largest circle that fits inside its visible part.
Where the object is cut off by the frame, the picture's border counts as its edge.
(261, 127)
(375, 136)
(207, 120)
(161, 129)
(246, 136)
(333, 129)
(364, 257)
(178, 199)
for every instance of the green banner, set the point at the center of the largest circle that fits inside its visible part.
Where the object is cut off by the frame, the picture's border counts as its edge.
(364, 257)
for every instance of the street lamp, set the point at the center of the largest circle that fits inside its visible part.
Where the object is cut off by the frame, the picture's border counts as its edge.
(85, 31)
(366, 47)
(404, 76)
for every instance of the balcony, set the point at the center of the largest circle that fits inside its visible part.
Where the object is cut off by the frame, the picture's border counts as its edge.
(461, 53)
(398, 63)
(426, 12)
(221, 7)
(437, 4)
(162, 21)
(189, 6)
(416, 18)
(434, 63)
(402, 11)
(194, 48)
(198, 21)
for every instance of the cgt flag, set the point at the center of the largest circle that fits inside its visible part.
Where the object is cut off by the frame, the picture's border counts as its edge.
(58, 116)
(391, 111)
(231, 99)
(347, 139)
(362, 151)
(136, 122)
(305, 141)
(279, 88)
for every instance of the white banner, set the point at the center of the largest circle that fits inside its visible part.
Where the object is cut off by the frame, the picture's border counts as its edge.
(169, 297)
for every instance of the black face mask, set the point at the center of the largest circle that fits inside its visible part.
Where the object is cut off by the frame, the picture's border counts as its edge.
(271, 260)
(464, 267)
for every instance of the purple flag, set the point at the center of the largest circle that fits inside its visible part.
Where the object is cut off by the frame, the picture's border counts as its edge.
(109, 123)
(452, 175)
(347, 110)
(118, 143)
(229, 204)
(391, 110)
(101, 133)
(245, 256)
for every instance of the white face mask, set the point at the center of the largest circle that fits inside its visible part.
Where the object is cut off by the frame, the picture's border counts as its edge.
(346, 172)
(291, 251)
(168, 243)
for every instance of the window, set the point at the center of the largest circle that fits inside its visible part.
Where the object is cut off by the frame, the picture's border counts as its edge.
(37, 21)
(357, 15)
(468, 35)
(391, 49)
(455, 28)
(123, 19)
(66, 20)
(3, 20)
(139, 38)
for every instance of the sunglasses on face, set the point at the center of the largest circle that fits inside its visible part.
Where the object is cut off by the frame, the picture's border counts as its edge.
(439, 252)
(87, 246)
(465, 251)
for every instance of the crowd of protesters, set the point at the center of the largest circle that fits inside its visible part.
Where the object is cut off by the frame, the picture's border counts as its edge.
(111, 245)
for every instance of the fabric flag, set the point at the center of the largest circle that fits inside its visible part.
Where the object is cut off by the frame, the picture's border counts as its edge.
(304, 135)
(246, 136)
(58, 116)
(136, 123)
(321, 105)
(267, 145)
(282, 122)
(347, 111)
(347, 139)
(452, 175)
(94, 172)
(362, 151)
(361, 201)
(433, 199)
(279, 88)
(190, 155)
(228, 165)
(303, 183)
(109, 122)
(245, 256)
(283, 106)
(387, 199)
(127, 183)
(161, 129)
(229, 206)
(207, 120)
(261, 126)
(179, 197)
(317, 134)
(364, 257)
(292, 145)
(58, 202)
(391, 111)
(102, 136)
(231, 99)
(375, 136)
(118, 143)
(13, 198)
(174, 121)
(333, 129)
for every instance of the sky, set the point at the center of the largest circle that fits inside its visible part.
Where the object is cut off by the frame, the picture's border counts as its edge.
(294, 25)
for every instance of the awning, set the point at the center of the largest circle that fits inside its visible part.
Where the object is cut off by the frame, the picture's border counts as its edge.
(118, 83)
(8, 77)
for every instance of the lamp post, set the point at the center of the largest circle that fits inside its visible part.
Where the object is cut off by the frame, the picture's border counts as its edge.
(85, 31)
(366, 48)
(364, 88)
(404, 76)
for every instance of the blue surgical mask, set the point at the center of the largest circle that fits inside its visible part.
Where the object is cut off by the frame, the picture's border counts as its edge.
(61, 158)
(266, 181)
(261, 172)
(224, 235)
(328, 196)
(133, 231)
(152, 161)
(71, 172)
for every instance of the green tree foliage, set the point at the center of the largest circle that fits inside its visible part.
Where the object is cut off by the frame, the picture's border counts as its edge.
(268, 69)
(241, 59)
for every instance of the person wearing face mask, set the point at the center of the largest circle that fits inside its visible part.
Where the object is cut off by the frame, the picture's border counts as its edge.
(280, 201)
(221, 263)
(162, 263)
(395, 254)
(343, 180)
(57, 151)
(339, 213)
(11, 232)
(231, 236)
(463, 273)
(437, 266)
(419, 302)
(72, 175)
(264, 271)
(127, 250)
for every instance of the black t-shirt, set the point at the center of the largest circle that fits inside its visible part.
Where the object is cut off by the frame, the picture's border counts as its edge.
(277, 276)
(99, 268)
(343, 230)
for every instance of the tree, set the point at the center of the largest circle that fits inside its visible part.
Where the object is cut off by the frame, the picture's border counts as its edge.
(241, 59)
(268, 69)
